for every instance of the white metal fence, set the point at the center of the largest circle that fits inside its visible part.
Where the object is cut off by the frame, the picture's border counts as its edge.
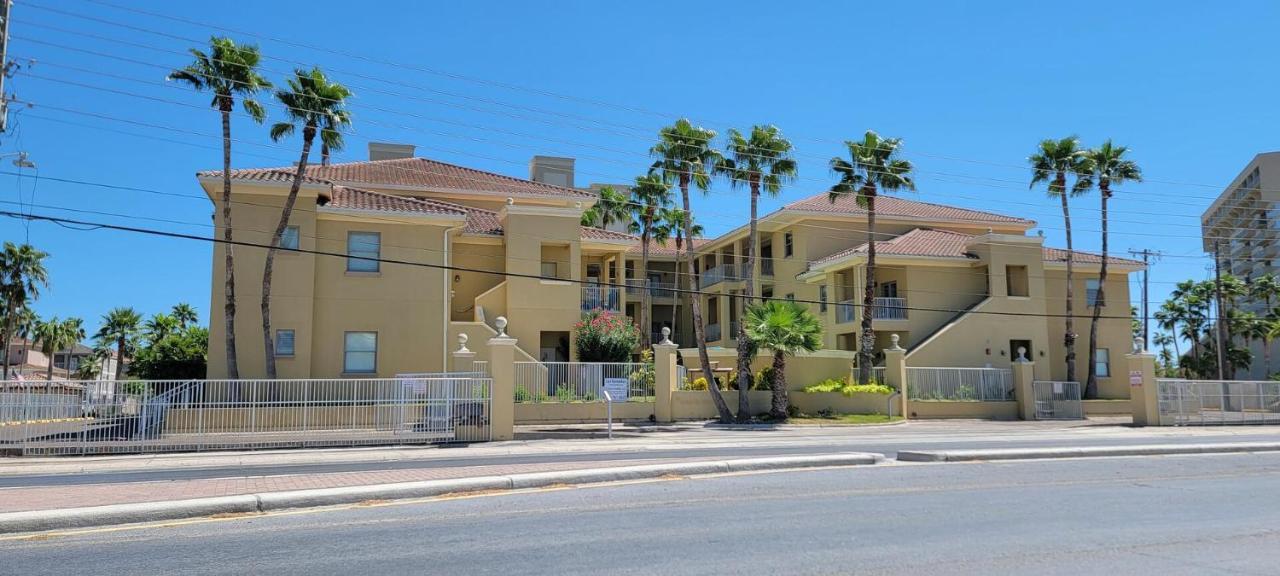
(1218, 402)
(1057, 400)
(248, 414)
(35, 405)
(582, 381)
(960, 384)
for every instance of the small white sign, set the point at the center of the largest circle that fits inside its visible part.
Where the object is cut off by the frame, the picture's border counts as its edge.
(1057, 387)
(1135, 378)
(618, 388)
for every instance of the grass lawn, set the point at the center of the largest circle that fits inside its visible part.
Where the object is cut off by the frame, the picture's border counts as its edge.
(842, 419)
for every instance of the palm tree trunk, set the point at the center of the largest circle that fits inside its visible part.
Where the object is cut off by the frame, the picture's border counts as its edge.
(1069, 338)
(268, 346)
(120, 358)
(778, 408)
(1091, 386)
(699, 334)
(744, 343)
(679, 295)
(645, 301)
(8, 333)
(48, 372)
(867, 353)
(324, 159)
(229, 287)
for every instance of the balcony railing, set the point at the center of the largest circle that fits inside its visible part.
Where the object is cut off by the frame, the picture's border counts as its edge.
(635, 287)
(713, 332)
(604, 297)
(766, 266)
(845, 312)
(889, 309)
(718, 274)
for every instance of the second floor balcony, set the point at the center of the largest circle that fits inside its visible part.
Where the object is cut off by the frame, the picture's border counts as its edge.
(882, 309)
(636, 287)
(717, 274)
(603, 297)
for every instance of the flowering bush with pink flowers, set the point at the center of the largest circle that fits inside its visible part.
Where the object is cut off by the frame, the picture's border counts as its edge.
(604, 336)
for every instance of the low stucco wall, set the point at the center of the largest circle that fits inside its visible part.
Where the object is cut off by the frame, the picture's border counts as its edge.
(839, 403)
(580, 412)
(185, 420)
(801, 370)
(978, 410)
(1108, 407)
(697, 405)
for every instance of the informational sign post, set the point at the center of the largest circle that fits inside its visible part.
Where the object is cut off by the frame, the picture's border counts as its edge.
(617, 388)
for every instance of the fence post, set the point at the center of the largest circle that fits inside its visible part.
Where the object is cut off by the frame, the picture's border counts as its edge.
(463, 359)
(1144, 395)
(502, 369)
(664, 376)
(1024, 375)
(895, 372)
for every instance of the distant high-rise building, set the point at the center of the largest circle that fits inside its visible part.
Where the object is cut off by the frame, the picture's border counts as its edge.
(1242, 225)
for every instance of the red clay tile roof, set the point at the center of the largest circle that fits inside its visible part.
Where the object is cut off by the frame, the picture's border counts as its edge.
(411, 172)
(356, 199)
(481, 221)
(918, 242)
(668, 251)
(1060, 255)
(592, 233)
(900, 207)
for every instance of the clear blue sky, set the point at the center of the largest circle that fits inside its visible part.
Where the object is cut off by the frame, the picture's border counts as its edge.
(970, 86)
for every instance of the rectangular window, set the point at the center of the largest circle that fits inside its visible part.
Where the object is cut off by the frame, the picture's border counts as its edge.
(791, 297)
(549, 270)
(788, 245)
(1091, 292)
(363, 251)
(1016, 281)
(284, 342)
(289, 240)
(360, 353)
(766, 292)
(822, 298)
(1103, 365)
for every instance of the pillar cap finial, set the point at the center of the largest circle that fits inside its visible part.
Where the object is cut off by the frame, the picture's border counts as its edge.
(501, 324)
(1022, 354)
(893, 342)
(666, 336)
(1139, 346)
(462, 342)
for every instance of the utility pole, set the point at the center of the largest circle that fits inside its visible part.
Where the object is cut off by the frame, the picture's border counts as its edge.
(1217, 296)
(1146, 254)
(4, 62)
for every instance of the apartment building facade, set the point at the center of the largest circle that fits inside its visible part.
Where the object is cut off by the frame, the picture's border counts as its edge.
(417, 252)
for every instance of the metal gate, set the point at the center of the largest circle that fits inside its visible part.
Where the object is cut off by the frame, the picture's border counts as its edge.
(171, 416)
(1218, 402)
(1057, 400)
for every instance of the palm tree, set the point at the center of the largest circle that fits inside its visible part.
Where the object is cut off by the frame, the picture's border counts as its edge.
(73, 329)
(1168, 317)
(685, 156)
(161, 326)
(52, 337)
(22, 275)
(1266, 288)
(761, 161)
(185, 314)
(873, 167)
(316, 104)
(673, 221)
(613, 206)
(1051, 163)
(1163, 340)
(228, 71)
(91, 367)
(1107, 165)
(120, 327)
(649, 197)
(787, 328)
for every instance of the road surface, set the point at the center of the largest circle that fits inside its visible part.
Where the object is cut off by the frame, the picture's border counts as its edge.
(1208, 514)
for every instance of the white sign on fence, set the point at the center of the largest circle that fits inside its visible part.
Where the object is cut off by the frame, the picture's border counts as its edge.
(617, 388)
(1135, 378)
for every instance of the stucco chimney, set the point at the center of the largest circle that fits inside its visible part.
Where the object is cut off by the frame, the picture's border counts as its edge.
(552, 170)
(389, 151)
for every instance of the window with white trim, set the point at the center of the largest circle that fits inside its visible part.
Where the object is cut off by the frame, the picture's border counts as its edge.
(1102, 363)
(1091, 291)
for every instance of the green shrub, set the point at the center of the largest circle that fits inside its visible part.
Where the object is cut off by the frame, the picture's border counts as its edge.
(564, 393)
(872, 388)
(828, 385)
(698, 383)
(764, 379)
(847, 387)
(603, 336)
(522, 394)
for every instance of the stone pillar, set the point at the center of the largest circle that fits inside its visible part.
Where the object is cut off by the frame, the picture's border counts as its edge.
(463, 359)
(502, 368)
(1024, 374)
(895, 372)
(1143, 393)
(665, 374)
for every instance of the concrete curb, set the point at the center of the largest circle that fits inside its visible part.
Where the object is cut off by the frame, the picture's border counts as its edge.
(1083, 452)
(44, 520)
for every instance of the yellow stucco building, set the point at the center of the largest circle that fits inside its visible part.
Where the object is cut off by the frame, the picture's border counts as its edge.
(961, 287)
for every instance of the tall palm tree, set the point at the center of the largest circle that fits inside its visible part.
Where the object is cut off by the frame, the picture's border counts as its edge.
(1107, 166)
(673, 226)
(787, 328)
(22, 275)
(51, 336)
(185, 314)
(684, 156)
(228, 71)
(649, 197)
(24, 327)
(1051, 163)
(1168, 317)
(160, 326)
(613, 206)
(873, 167)
(761, 161)
(1163, 340)
(317, 105)
(120, 327)
(73, 329)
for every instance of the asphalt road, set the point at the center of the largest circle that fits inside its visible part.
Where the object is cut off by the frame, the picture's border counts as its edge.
(1167, 515)
(711, 444)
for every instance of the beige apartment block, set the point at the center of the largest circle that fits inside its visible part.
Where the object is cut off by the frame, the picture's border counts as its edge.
(461, 247)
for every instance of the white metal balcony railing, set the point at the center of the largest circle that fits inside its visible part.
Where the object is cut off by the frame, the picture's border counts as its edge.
(845, 311)
(603, 297)
(713, 332)
(766, 266)
(717, 274)
(889, 309)
(635, 287)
